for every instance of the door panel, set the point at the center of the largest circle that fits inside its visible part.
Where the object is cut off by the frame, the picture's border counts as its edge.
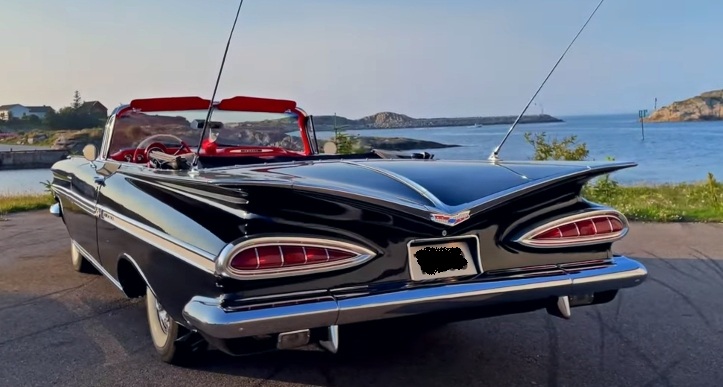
(79, 194)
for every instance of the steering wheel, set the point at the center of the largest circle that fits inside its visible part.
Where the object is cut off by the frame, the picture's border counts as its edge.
(148, 145)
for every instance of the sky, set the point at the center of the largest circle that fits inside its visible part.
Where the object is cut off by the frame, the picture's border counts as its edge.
(422, 58)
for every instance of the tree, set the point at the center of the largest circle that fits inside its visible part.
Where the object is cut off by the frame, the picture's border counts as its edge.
(344, 144)
(77, 102)
(73, 117)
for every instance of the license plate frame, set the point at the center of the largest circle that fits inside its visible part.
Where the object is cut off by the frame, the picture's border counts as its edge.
(442, 259)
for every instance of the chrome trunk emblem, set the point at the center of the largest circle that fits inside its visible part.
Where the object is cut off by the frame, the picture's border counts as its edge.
(451, 220)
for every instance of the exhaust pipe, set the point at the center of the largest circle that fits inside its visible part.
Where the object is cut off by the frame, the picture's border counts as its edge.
(561, 308)
(293, 339)
(332, 342)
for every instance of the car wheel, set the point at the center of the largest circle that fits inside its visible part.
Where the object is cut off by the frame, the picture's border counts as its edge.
(80, 264)
(170, 339)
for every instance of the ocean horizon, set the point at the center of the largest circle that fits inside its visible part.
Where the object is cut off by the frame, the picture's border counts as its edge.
(672, 152)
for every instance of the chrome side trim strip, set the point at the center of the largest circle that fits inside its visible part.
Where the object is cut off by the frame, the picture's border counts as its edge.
(201, 259)
(208, 316)
(84, 204)
(189, 254)
(97, 264)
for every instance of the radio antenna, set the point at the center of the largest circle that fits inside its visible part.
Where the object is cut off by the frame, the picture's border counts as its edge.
(215, 88)
(495, 153)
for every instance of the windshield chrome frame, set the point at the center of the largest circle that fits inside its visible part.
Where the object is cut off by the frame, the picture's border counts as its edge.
(306, 130)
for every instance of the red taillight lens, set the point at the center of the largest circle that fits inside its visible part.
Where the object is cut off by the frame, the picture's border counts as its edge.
(598, 225)
(580, 229)
(283, 256)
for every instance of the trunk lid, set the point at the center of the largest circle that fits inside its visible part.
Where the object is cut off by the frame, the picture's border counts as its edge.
(443, 186)
(421, 186)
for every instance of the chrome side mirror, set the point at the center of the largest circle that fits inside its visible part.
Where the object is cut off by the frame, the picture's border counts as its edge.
(89, 152)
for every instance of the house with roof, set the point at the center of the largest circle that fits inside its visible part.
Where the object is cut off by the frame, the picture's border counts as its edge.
(19, 111)
(94, 108)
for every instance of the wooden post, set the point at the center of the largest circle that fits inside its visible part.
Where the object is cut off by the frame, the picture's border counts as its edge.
(642, 114)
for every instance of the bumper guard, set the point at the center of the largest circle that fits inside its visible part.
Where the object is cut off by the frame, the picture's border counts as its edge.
(207, 315)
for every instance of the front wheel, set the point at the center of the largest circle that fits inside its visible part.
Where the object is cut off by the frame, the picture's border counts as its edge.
(172, 341)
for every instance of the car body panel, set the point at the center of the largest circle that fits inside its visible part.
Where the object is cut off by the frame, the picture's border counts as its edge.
(176, 230)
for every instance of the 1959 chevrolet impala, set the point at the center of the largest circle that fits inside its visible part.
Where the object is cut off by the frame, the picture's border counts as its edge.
(247, 238)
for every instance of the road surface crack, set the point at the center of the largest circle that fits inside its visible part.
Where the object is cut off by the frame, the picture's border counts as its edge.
(43, 296)
(685, 298)
(65, 324)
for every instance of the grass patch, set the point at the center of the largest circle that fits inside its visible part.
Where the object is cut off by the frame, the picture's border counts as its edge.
(689, 202)
(686, 202)
(27, 202)
(692, 202)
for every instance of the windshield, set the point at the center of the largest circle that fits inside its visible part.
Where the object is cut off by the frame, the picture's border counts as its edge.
(226, 129)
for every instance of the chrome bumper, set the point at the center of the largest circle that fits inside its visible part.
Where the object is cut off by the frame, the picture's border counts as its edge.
(207, 315)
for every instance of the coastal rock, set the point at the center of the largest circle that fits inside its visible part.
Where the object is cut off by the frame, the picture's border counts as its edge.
(399, 144)
(386, 120)
(707, 106)
(390, 120)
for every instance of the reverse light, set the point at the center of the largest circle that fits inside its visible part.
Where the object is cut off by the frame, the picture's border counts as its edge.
(592, 227)
(271, 257)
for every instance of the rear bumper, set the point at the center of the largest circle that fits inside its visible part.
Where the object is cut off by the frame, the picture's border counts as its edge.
(209, 317)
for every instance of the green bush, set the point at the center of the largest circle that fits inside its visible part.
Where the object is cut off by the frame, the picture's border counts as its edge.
(658, 203)
(568, 149)
(556, 149)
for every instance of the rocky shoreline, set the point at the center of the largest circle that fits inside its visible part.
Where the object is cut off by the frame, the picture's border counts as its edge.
(73, 141)
(389, 120)
(707, 106)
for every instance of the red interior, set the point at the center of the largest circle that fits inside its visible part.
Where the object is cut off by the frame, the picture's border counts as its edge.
(238, 103)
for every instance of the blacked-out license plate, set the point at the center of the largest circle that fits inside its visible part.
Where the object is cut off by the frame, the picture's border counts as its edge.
(443, 260)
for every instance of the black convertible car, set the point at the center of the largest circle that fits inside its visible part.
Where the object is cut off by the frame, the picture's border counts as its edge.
(255, 239)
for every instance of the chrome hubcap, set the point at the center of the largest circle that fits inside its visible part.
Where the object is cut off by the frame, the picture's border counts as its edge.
(163, 318)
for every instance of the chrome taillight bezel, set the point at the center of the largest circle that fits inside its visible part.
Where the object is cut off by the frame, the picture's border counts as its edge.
(526, 238)
(224, 268)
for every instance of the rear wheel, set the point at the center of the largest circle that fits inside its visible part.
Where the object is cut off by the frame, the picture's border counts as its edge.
(80, 264)
(174, 343)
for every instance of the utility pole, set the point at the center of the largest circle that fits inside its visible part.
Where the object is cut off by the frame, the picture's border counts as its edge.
(642, 114)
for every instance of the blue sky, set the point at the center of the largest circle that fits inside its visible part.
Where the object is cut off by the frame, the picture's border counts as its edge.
(421, 58)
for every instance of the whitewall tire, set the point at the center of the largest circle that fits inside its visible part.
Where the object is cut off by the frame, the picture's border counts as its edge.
(80, 264)
(166, 333)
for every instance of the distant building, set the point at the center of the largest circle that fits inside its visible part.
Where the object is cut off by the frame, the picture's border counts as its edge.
(20, 111)
(40, 111)
(94, 108)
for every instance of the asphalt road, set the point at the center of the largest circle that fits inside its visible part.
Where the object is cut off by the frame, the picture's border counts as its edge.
(59, 327)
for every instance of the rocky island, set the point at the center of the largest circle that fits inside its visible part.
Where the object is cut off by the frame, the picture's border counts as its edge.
(707, 106)
(390, 120)
(73, 141)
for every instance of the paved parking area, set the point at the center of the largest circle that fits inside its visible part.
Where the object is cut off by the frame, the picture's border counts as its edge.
(59, 327)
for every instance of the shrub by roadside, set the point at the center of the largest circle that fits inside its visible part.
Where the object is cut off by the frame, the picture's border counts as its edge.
(28, 202)
(684, 202)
